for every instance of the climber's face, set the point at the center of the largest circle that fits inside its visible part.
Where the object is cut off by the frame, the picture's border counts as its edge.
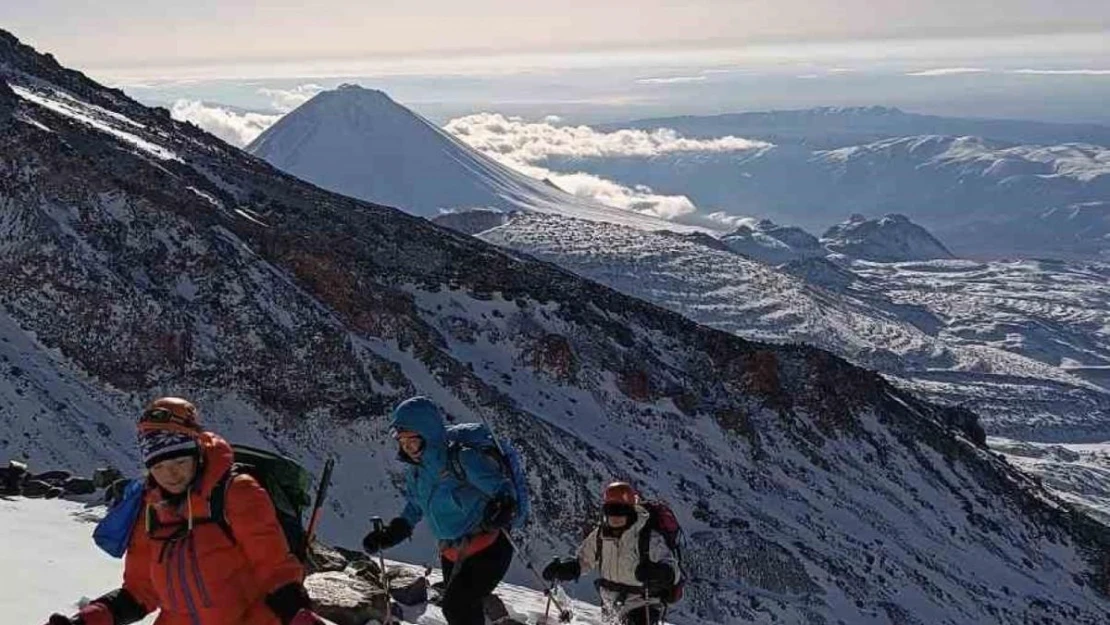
(411, 443)
(175, 475)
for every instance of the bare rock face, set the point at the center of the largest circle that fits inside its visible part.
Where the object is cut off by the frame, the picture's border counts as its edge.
(345, 600)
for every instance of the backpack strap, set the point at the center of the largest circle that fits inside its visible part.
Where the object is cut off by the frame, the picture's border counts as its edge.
(645, 538)
(455, 463)
(217, 502)
(599, 547)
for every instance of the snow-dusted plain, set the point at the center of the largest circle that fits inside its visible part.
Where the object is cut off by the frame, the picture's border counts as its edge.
(1022, 343)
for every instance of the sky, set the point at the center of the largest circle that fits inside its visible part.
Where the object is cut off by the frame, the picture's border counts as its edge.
(234, 67)
(116, 36)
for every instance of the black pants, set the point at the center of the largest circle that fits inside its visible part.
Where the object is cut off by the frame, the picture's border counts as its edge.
(477, 577)
(639, 616)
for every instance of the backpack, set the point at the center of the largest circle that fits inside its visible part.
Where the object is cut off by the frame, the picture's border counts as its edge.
(479, 436)
(662, 520)
(113, 533)
(286, 482)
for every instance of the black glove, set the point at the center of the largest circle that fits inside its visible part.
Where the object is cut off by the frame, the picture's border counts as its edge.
(59, 619)
(656, 577)
(563, 570)
(499, 513)
(288, 602)
(397, 530)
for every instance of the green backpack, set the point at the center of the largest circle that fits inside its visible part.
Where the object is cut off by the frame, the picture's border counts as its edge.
(288, 484)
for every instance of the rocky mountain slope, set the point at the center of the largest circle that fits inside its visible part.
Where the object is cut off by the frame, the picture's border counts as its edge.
(142, 256)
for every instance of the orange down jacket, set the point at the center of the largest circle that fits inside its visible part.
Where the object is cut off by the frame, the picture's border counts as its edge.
(187, 566)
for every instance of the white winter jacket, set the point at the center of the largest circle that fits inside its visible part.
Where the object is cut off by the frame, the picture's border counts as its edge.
(619, 558)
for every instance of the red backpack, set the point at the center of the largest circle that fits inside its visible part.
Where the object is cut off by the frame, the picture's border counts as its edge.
(663, 520)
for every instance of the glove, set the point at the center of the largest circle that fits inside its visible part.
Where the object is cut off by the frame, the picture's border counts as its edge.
(656, 577)
(499, 513)
(563, 570)
(94, 613)
(397, 530)
(304, 617)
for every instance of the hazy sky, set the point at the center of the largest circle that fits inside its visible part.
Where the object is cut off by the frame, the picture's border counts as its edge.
(119, 34)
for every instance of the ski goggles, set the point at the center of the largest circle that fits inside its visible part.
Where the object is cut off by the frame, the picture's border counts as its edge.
(161, 418)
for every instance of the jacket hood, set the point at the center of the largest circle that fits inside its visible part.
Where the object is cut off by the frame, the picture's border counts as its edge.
(423, 416)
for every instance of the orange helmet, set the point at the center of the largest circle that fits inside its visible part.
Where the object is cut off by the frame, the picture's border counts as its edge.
(170, 413)
(619, 493)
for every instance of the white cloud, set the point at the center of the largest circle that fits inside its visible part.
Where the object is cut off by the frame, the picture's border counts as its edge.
(286, 100)
(235, 127)
(530, 142)
(670, 80)
(949, 71)
(552, 119)
(523, 146)
(1063, 72)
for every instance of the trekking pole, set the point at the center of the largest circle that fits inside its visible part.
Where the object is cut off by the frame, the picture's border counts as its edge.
(565, 614)
(377, 523)
(547, 610)
(647, 609)
(318, 506)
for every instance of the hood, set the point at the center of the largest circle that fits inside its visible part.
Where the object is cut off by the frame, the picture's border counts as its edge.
(423, 416)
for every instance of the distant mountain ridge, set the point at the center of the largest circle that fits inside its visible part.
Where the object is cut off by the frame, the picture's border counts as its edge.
(828, 127)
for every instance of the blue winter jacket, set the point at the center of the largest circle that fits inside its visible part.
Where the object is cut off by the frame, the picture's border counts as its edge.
(454, 507)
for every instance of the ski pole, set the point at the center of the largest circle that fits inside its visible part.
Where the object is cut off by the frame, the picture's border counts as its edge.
(377, 523)
(547, 610)
(318, 506)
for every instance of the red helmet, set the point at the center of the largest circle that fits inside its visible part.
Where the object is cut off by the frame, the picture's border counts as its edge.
(619, 493)
(170, 413)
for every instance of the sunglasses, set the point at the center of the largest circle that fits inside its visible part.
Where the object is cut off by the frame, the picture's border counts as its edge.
(161, 416)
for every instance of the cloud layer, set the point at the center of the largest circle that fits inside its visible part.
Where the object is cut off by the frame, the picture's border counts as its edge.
(286, 100)
(523, 145)
(235, 127)
(531, 142)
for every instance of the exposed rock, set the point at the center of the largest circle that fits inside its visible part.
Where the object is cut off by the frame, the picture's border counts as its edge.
(36, 489)
(79, 486)
(53, 477)
(345, 600)
(323, 558)
(106, 476)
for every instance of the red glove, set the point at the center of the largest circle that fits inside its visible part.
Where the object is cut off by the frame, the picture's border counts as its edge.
(305, 617)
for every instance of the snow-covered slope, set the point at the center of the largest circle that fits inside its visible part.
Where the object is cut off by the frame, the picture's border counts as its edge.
(1001, 338)
(51, 565)
(1078, 473)
(811, 490)
(773, 243)
(362, 144)
(893, 238)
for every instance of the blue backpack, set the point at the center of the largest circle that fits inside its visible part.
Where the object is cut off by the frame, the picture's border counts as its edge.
(113, 532)
(478, 436)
